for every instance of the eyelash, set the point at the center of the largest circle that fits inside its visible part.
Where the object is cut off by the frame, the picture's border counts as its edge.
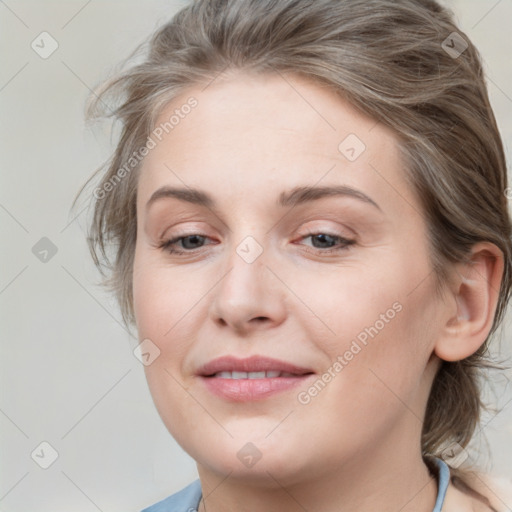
(169, 245)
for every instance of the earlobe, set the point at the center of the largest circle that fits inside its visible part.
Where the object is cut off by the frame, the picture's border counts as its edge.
(475, 292)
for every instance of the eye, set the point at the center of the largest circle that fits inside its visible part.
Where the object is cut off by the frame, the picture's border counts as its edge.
(187, 242)
(321, 243)
(327, 242)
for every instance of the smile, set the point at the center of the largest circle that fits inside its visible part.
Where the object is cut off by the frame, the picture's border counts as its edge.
(252, 375)
(253, 378)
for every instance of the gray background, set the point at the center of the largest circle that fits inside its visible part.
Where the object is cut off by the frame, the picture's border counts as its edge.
(68, 374)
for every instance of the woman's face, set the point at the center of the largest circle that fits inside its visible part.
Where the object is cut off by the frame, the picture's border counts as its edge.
(303, 252)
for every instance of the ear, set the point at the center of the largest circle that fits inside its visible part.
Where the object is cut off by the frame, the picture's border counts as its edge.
(475, 292)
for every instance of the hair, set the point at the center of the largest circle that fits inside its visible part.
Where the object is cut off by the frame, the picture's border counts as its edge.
(390, 60)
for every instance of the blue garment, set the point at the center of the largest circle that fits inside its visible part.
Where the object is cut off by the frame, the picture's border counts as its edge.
(443, 480)
(187, 500)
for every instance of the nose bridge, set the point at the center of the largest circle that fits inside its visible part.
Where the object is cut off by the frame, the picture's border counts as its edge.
(248, 292)
(246, 281)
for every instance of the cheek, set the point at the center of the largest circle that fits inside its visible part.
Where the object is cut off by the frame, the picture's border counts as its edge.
(163, 313)
(384, 320)
(361, 306)
(163, 299)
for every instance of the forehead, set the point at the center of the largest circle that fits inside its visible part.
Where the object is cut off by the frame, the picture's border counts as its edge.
(255, 132)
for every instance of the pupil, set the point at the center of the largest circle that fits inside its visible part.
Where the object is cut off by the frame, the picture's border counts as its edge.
(324, 239)
(195, 239)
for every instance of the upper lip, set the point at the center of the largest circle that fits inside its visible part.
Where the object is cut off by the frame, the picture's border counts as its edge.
(249, 364)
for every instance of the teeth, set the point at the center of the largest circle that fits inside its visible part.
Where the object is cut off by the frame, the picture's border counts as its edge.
(256, 375)
(224, 375)
(252, 375)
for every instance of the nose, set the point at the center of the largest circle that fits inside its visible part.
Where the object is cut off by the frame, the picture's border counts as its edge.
(249, 297)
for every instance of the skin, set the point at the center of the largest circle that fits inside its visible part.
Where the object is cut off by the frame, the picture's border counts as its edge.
(356, 445)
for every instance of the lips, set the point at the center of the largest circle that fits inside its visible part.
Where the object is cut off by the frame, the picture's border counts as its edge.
(253, 378)
(252, 365)
(252, 375)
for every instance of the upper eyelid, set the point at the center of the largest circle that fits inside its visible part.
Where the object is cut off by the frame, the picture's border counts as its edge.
(306, 220)
(300, 209)
(308, 232)
(307, 226)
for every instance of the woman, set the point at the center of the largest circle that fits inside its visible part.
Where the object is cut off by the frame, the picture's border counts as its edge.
(308, 210)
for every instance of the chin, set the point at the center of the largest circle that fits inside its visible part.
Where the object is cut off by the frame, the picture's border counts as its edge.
(253, 458)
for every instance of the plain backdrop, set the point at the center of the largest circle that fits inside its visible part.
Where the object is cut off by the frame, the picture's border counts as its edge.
(68, 374)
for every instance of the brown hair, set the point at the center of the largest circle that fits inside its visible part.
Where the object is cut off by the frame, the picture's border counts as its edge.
(397, 61)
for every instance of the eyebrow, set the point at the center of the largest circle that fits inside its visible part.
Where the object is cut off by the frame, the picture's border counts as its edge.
(293, 197)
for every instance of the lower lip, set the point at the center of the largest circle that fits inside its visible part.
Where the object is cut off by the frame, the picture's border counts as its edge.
(245, 390)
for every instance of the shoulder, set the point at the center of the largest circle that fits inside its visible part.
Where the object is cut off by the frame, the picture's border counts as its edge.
(496, 493)
(183, 501)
